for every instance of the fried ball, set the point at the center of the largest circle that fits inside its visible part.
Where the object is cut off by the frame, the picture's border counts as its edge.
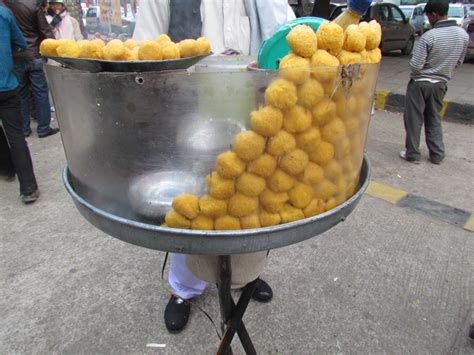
(330, 37)
(281, 94)
(347, 106)
(341, 185)
(132, 55)
(333, 131)
(280, 181)
(130, 43)
(316, 206)
(352, 125)
(350, 191)
(300, 195)
(68, 49)
(302, 40)
(89, 49)
(323, 112)
(150, 51)
(203, 46)
(250, 222)
(294, 68)
(169, 51)
(321, 153)
(162, 39)
(333, 170)
(294, 162)
(364, 56)
(186, 205)
(250, 184)
(269, 219)
(346, 57)
(324, 189)
(273, 202)
(297, 119)
(342, 148)
(174, 220)
(312, 174)
(188, 48)
(290, 214)
(373, 34)
(281, 143)
(144, 42)
(248, 145)
(310, 93)
(331, 203)
(227, 223)
(229, 165)
(240, 205)
(263, 166)
(305, 140)
(202, 222)
(374, 55)
(212, 207)
(266, 121)
(219, 187)
(320, 63)
(48, 47)
(347, 166)
(99, 42)
(354, 39)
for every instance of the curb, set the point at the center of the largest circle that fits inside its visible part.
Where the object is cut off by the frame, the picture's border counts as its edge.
(452, 111)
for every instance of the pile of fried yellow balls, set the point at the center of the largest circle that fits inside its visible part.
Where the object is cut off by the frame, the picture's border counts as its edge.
(162, 48)
(304, 151)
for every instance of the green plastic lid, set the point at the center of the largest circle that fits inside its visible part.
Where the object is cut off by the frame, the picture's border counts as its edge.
(276, 47)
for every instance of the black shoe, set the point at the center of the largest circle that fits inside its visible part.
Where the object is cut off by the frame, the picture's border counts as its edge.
(176, 314)
(27, 134)
(403, 155)
(30, 198)
(263, 292)
(49, 133)
(435, 162)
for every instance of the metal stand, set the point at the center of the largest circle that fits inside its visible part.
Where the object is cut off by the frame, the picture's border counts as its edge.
(230, 312)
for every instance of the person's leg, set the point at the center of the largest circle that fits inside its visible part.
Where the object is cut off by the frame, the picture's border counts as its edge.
(413, 119)
(21, 69)
(433, 129)
(40, 89)
(20, 154)
(185, 285)
(7, 170)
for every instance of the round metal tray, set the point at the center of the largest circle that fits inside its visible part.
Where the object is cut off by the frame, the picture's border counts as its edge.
(97, 66)
(215, 242)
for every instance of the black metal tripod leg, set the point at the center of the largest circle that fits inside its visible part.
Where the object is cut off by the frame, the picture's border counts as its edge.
(225, 301)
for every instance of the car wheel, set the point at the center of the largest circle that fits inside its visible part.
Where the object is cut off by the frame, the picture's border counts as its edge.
(409, 48)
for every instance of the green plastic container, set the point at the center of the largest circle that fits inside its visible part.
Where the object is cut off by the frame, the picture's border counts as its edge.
(276, 47)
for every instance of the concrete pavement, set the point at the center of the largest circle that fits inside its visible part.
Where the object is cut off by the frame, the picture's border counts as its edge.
(387, 280)
(394, 76)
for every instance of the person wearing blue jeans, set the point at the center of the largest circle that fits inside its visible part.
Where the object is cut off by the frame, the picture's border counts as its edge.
(14, 149)
(28, 64)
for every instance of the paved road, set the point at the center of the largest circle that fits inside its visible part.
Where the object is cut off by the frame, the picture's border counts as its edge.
(391, 279)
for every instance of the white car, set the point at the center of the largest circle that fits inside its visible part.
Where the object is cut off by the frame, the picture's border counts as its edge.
(414, 13)
(458, 12)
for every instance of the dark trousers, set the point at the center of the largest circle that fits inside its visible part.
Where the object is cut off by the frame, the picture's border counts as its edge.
(20, 154)
(423, 103)
(30, 75)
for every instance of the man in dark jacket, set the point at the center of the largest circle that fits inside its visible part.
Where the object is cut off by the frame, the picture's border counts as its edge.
(28, 65)
(14, 151)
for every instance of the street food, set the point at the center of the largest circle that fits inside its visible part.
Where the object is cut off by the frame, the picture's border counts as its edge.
(219, 187)
(203, 46)
(330, 37)
(295, 68)
(186, 205)
(250, 221)
(312, 174)
(68, 48)
(248, 145)
(354, 39)
(229, 165)
(250, 184)
(316, 206)
(263, 166)
(281, 143)
(240, 205)
(227, 223)
(294, 162)
(212, 207)
(150, 51)
(300, 195)
(280, 181)
(281, 94)
(297, 119)
(290, 214)
(202, 222)
(310, 93)
(266, 121)
(48, 47)
(272, 201)
(302, 41)
(268, 218)
(308, 138)
(174, 220)
(188, 48)
(170, 50)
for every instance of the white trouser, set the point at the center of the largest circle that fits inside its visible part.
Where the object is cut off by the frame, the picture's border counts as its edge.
(182, 281)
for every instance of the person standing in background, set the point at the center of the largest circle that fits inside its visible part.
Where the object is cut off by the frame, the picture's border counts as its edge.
(14, 150)
(28, 64)
(74, 9)
(437, 53)
(64, 26)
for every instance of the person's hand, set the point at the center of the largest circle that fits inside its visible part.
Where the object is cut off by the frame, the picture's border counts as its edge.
(359, 6)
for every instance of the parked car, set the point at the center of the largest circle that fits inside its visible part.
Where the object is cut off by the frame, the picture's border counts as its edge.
(458, 12)
(397, 33)
(94, 24)
(470, 47)
(415, 15)
(470, 11)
